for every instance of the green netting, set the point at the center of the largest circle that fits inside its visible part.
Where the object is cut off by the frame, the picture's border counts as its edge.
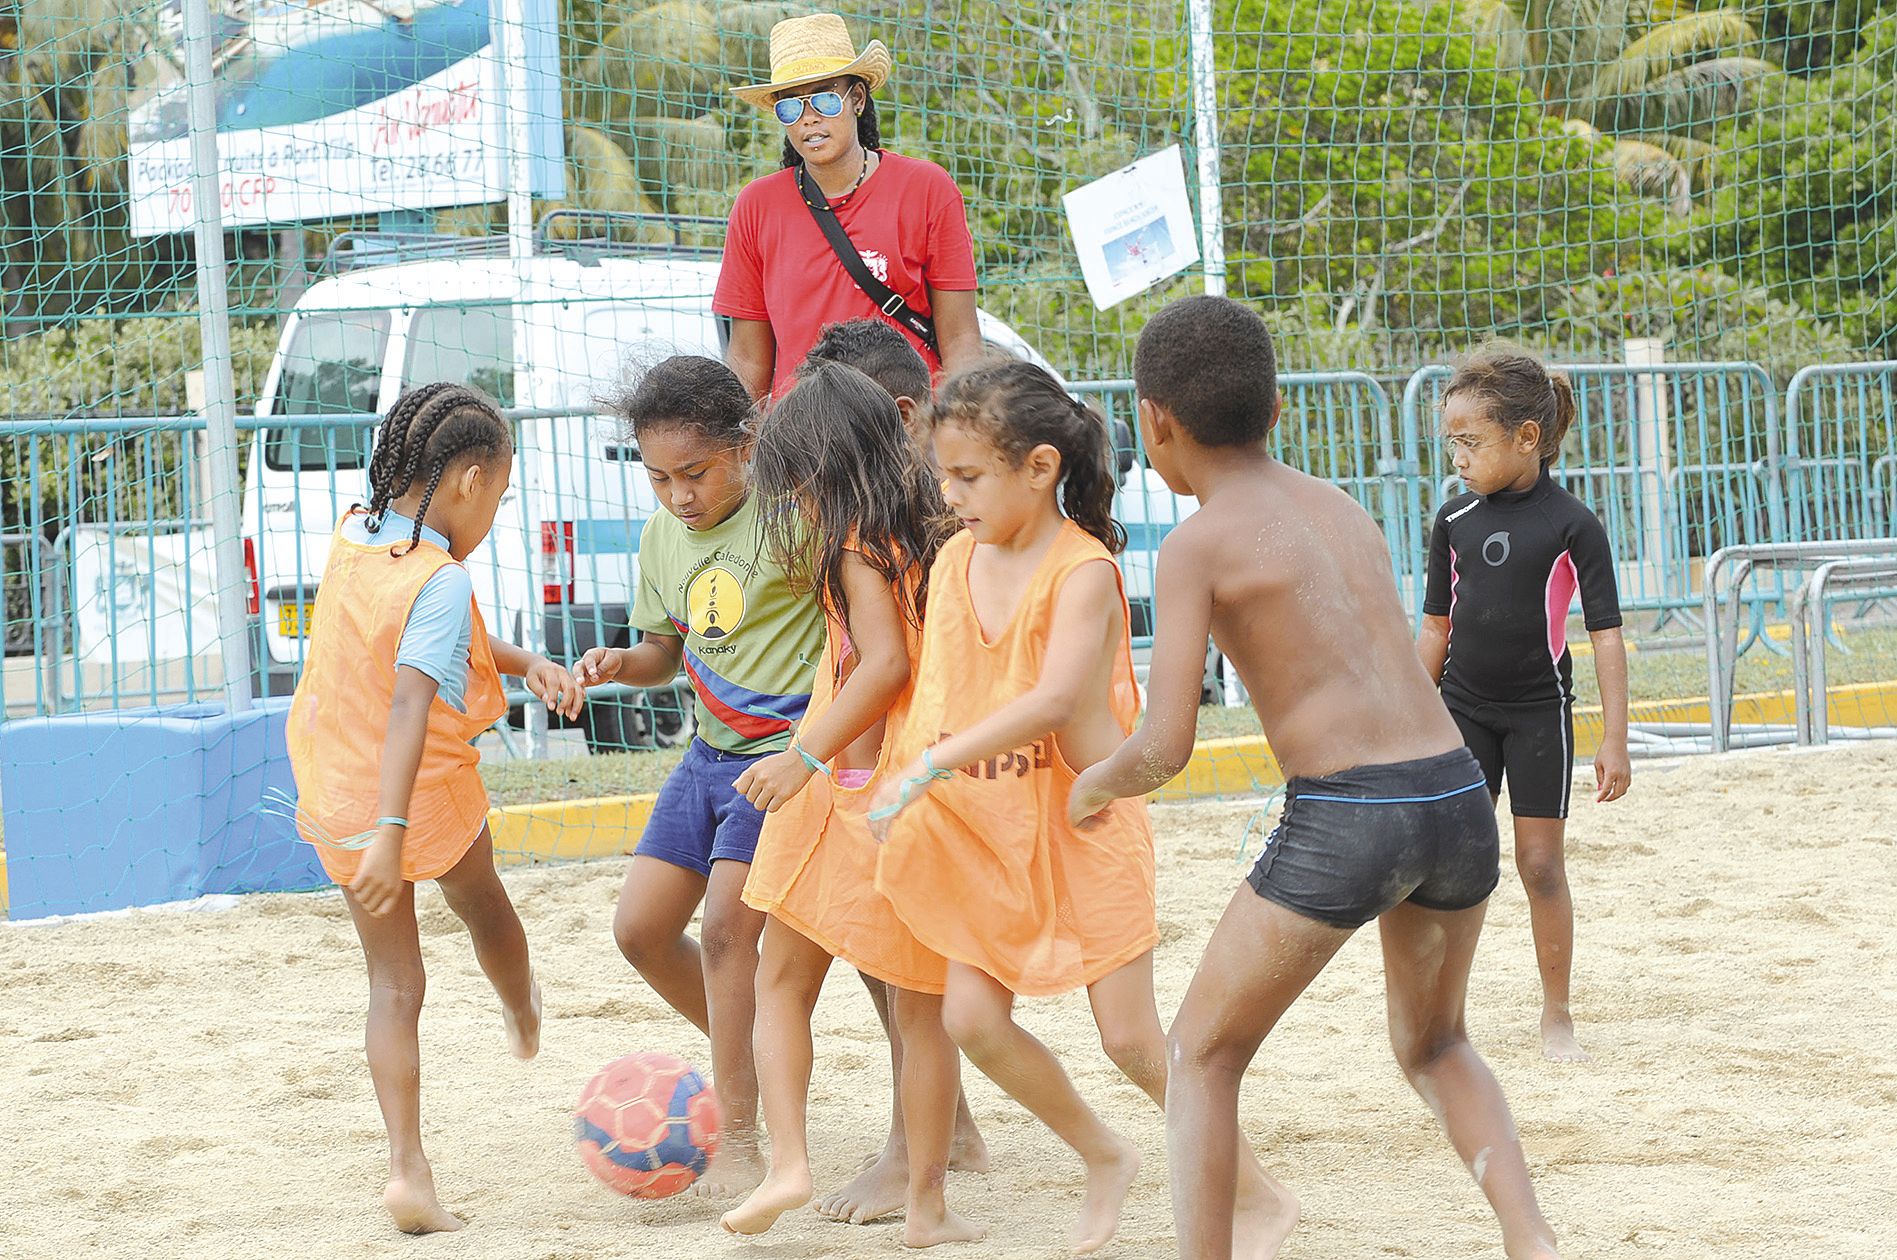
(1397, 181)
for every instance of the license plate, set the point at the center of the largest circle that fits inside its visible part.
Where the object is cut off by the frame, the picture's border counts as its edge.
(293, 620)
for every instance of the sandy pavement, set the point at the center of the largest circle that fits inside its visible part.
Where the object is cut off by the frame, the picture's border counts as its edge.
(191, 1084)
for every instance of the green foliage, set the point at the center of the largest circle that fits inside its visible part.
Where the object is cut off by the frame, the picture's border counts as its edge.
(1386, 170)
(1807, 205)
(133, 367)
(1701, 314)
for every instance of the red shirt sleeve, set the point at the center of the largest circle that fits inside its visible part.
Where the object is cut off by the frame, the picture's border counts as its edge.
(951, 264)
(740, 290)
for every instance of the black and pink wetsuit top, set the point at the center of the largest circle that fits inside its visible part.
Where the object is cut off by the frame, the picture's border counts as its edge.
(1505, 569)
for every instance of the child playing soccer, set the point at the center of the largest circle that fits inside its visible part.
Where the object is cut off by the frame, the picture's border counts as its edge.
(1505, 560)
(1384, 816)
(1026, 674)
(709, 595)
(400, 678)
(834, 468)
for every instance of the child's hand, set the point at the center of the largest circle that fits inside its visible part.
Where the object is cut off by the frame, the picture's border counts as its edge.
(562, 693)
(599, 665)
(378, 881)
(1613, 772)
(771, 781)
(1087, 798)
(889, 801)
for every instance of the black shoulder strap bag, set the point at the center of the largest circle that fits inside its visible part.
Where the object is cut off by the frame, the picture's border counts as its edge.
(887, 299)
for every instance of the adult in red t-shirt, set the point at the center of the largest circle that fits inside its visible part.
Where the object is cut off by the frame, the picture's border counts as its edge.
(781, 284)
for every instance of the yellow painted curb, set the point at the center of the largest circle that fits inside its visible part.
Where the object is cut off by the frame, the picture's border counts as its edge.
(561, 831)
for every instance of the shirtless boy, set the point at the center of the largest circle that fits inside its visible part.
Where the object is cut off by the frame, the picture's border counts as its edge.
(1386, 814)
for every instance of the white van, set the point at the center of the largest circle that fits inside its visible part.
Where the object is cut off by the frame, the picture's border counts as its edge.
(561, 561)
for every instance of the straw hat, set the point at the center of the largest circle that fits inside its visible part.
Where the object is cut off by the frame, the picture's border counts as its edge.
(816, 49)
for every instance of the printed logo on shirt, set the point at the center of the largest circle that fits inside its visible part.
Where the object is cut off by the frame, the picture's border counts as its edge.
(877, 262)
(1035, 756)
(714, 604)
(1495, 549)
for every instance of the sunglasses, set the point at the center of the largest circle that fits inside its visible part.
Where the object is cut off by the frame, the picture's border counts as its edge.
(791, 108)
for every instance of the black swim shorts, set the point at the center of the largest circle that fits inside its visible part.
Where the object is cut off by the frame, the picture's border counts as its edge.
(1352, 845)
(1533, 744)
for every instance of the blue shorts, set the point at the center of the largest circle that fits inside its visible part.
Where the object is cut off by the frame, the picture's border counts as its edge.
(699, 817)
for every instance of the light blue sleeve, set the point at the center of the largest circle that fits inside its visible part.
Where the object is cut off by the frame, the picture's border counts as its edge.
(440, 625)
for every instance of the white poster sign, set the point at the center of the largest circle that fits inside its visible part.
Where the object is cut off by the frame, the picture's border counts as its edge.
(329, 108)
(1133, 228)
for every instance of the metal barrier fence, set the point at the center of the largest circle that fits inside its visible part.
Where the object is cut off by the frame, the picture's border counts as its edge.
(1677, 460)
(105, 550)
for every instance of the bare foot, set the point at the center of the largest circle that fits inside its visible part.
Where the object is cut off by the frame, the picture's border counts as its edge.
(736, 1169)
(1558, 1042)
(1540, 1249)
(775, 1195)
(1108, 1181)
(1265, 1215)
(879, 1190)
(411, 1202)
(523, 1027)
(934, 1230)
(969, 1151)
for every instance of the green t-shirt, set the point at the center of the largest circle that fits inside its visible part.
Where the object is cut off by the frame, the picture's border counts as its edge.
(751, 644)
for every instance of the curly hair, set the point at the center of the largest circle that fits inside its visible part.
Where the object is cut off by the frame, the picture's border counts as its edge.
(429, 430)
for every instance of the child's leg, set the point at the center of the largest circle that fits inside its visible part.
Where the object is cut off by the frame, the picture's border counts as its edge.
(655, 907)
(930, 1084)
(790, 975)
(1127, 1015)
(393, 950)
(473, 890)
(731, 931)
(1542, 864)
(979, 1014)
(1426, 956)
(881, 1185)
(1260, 958)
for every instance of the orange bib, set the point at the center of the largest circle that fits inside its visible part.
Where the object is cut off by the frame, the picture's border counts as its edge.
(984, 868)
(815, 867)
(340, 715)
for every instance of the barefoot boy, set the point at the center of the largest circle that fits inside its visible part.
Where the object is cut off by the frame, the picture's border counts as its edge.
(1386, 814)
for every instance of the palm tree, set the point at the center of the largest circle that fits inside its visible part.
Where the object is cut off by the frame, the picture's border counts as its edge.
(1654, 76)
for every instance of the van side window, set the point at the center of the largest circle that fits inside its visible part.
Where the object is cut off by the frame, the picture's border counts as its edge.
(470, 345)
(333, 366)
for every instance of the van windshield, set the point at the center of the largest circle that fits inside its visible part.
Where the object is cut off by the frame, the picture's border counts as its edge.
(469, 345)
(333, 366)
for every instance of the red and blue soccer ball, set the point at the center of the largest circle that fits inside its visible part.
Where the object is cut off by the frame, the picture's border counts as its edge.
(647, 1125)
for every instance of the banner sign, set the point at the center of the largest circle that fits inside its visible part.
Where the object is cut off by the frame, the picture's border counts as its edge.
(332, 108)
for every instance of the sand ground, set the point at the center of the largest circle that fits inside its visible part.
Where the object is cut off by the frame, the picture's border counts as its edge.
(191, 1084)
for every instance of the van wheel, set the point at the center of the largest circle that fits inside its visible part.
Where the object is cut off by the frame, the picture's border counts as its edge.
(668, 716)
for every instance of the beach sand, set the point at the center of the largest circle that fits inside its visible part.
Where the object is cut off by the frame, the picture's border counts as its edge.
(192, 1085)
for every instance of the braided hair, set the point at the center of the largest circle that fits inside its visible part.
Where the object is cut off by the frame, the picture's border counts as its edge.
(1015, 406)
(429, 430)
